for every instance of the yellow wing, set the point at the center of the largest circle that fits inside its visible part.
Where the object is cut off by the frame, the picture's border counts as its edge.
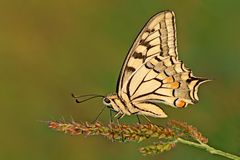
(158, 37)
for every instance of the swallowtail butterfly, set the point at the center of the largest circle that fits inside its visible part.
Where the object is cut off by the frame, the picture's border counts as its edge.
(152, 73)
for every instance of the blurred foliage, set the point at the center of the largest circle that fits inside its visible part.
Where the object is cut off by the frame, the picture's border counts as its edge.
(52, 48)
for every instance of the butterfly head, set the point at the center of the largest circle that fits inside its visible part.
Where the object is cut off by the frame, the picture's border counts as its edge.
(113, 102)
(109, 100)
(106, 101)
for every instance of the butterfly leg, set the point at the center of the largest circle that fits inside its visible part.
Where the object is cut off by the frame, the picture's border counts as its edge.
(147, 119)
(123, 138)
(118, 121)
(138, 118)
(119, 115)
(99, 115)
(111, 116)
(116, 115)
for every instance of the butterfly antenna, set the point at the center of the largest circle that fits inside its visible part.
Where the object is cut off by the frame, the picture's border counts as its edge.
(111, 117)
(86, 95)
(77, 101)
(91, 96)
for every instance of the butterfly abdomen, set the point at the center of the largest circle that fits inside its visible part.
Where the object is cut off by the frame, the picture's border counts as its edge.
(149, 109)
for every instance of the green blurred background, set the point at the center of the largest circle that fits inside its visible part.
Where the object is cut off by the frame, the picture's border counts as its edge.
(50, 48)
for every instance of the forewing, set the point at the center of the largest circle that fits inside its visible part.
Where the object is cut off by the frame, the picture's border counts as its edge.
(158, 37)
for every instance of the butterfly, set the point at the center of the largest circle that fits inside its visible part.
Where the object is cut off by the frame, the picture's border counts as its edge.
(152, 73)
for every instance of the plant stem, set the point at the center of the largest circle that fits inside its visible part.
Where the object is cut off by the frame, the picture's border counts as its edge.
(209, 149)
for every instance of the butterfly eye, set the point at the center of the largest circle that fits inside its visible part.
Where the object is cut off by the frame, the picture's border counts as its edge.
(106, 101)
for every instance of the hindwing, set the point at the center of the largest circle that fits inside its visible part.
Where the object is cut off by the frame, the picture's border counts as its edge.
(165, 80)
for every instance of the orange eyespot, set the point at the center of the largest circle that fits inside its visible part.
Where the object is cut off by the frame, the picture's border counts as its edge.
(180, 103)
